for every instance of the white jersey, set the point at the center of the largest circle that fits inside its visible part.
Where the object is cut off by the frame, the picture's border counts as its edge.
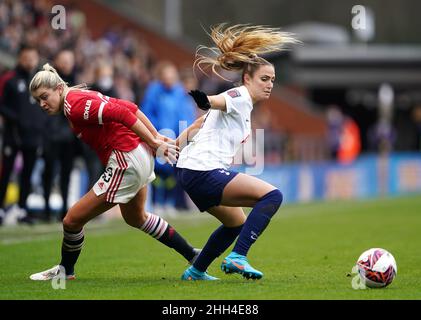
(221, 134)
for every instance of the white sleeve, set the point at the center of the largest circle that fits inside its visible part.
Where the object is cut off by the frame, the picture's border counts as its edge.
(233, 99)
(229, 104)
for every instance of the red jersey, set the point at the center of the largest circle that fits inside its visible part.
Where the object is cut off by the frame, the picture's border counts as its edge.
(102, 122)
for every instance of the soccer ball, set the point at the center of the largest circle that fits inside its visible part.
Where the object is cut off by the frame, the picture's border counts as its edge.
(376, 268)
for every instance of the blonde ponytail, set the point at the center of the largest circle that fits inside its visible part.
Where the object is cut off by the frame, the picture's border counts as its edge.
(240, 45)
(48, 77)
(48, 67)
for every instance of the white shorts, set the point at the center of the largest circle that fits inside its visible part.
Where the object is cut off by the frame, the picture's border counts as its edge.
(126, 173)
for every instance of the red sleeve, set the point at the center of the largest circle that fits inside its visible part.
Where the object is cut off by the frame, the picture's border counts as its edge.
(118, 113)
(94, 110)
(129, 105)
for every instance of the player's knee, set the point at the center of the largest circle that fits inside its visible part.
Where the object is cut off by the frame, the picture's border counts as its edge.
(277, 197)
(132, 222)
(71, 224)
(271, 202)
(137, 221)
(143, 216)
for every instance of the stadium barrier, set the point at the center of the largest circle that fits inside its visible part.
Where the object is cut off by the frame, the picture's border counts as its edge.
(368, 177)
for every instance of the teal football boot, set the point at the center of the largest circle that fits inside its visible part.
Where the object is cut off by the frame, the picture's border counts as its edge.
(237, 263)
(193, 274)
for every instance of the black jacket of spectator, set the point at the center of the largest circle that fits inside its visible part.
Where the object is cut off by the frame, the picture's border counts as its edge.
(24, 119)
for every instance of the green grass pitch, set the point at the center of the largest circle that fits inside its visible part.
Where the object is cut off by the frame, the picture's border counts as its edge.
(307, 252)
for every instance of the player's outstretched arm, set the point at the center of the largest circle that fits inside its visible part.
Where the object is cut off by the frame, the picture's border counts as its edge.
(161, 148)
(189, 133)
(205, 102)
(144, 119)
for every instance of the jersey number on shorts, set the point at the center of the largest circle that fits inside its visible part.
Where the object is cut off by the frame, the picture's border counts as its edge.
(107, 175)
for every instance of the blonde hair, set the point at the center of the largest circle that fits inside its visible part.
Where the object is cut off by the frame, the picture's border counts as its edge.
(238, 48)
(49, 78)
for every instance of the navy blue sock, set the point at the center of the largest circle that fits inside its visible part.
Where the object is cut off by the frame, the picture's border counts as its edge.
(218, 242)
(258, 220)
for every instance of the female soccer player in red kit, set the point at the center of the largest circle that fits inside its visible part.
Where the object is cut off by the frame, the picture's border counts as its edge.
(125, 141)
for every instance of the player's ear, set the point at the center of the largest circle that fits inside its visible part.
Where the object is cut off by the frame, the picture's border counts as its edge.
(246, 78)
(60, 88)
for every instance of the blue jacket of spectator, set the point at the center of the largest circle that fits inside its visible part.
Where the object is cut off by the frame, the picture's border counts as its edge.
(167, 107)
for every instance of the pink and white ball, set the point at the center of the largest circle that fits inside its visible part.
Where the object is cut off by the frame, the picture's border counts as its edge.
(377, 268)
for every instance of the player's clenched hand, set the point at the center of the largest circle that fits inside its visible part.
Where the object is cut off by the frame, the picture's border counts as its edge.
(201, 99)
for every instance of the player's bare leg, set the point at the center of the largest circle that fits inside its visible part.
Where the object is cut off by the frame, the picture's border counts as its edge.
(135, 215)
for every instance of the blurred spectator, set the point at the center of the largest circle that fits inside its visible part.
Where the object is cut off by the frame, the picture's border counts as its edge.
(344, 139)
(123, 88)
(24, 124)
(212, 84)
(188, 80)
(170, 109)
(382, 137)
(104, 79)
(335, 120)
(59, 141)
(350, 142)
(416, 117)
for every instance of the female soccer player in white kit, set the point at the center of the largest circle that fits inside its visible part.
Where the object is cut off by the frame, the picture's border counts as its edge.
(203, 165)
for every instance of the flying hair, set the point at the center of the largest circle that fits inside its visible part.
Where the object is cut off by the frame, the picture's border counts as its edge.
(240, 45)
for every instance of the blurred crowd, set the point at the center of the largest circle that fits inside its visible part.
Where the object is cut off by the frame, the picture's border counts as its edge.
(118, 63)
(128, 56)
